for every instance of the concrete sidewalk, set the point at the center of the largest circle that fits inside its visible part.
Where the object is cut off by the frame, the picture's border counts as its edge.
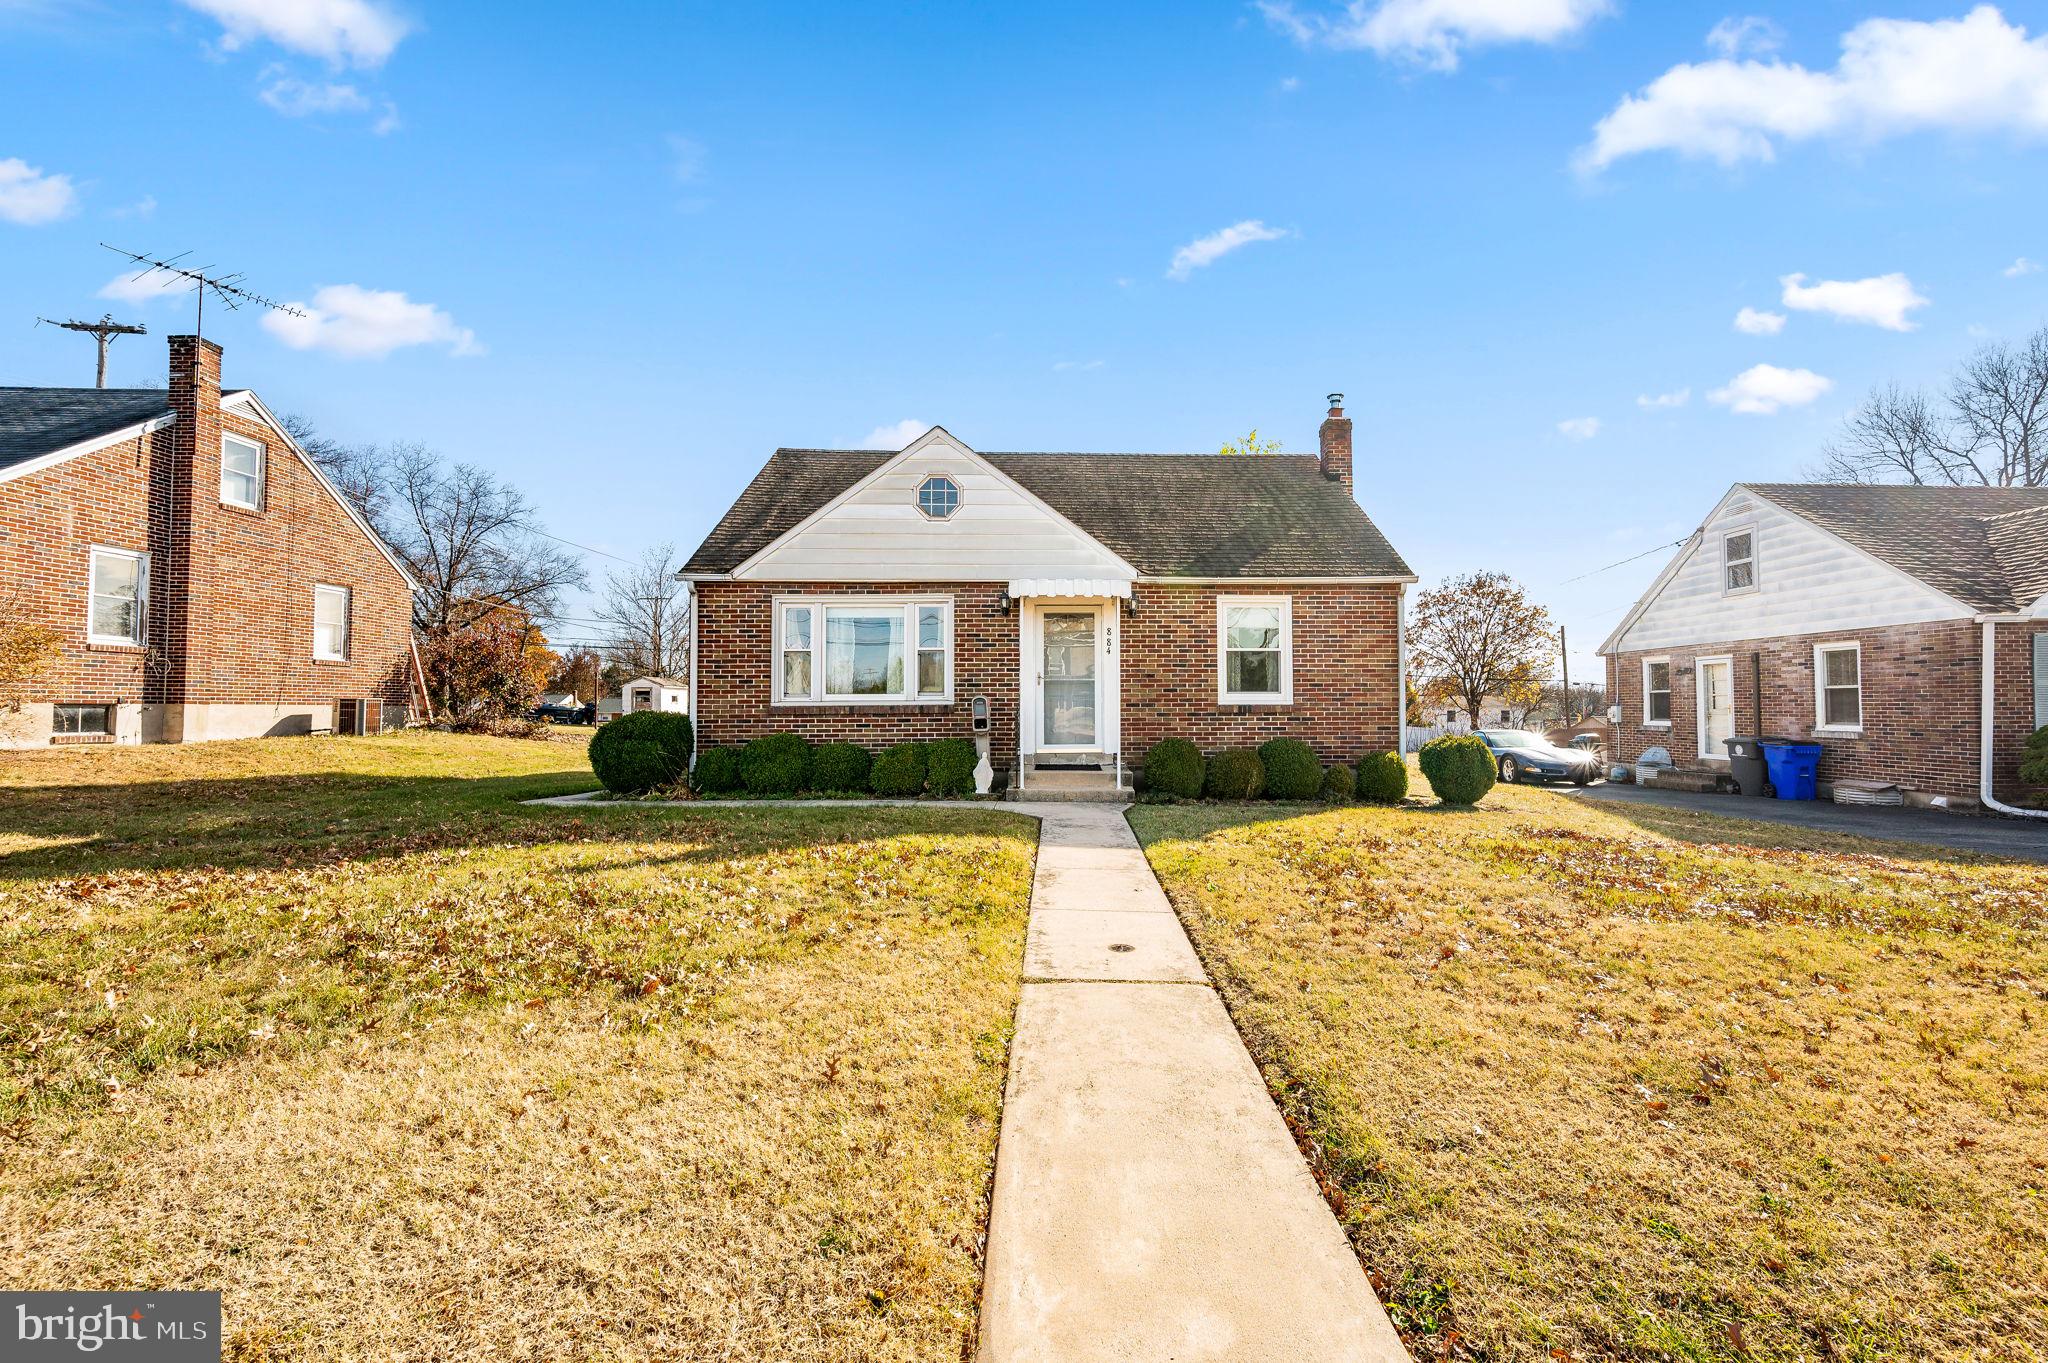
(1149, 1201)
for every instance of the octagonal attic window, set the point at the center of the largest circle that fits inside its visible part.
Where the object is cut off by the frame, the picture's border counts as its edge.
(938, 497)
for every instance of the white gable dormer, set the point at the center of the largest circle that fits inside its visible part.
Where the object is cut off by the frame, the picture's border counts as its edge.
(877, 531)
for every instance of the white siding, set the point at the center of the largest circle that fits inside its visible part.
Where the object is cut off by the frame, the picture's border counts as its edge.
(1808, 582)
(879, 535)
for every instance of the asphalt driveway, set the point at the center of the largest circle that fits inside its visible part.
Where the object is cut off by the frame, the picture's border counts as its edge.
(2026, 839)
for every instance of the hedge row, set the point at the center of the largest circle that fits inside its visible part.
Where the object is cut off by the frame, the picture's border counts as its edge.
(788, 764)
(1282, 769)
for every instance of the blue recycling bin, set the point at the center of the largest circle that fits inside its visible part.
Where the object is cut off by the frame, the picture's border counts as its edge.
(1795, 769)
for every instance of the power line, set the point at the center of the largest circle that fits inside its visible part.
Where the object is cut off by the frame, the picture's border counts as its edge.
(1621, 562)
(574, 545)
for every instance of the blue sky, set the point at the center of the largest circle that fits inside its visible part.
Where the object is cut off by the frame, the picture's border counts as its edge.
(621, 261)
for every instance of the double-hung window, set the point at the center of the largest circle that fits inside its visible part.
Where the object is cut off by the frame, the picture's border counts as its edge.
(241, 472)
(1838, 686)
(1657, 691)
(120, 596)
(863, 651)
(1255, 650)
(1738, 562)
(330, 624)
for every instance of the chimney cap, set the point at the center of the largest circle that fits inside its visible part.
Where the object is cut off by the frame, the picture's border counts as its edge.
(1336, 402)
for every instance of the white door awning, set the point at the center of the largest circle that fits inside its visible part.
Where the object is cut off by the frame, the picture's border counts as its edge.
(1023, 587)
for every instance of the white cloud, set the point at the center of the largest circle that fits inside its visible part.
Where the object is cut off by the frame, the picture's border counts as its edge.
(1896, 76)
(1880, 301)
(1289, 84)
(897, 436)
(387, 122)
(2022, 266)
(146, 287)
(1579, 428)
(30, 198)
(358, 323)
(1212, 248)
(1434, 33)
(1678, 398)
(357, 32)
(144, 207)
(1750, 322)
(1750, 35)
(1762, 389)
(1066, 366)
(686, 158)
(295, 98)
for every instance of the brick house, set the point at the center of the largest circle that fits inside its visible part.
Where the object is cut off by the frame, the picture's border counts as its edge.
(1092, 604)
(204, 578)
(1854, 616)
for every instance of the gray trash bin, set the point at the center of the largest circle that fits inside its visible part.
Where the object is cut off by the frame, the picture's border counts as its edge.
(1746, 764)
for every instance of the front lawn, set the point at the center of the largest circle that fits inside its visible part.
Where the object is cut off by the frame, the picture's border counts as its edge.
(1593, 1082)
(410, 1071)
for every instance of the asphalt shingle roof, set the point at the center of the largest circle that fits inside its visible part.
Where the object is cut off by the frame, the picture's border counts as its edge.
(1186, 515)
(36, 421)
(1985, 546)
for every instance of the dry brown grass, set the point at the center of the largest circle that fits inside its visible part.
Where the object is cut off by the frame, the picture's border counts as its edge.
(411, 1072)
(1600, 1082)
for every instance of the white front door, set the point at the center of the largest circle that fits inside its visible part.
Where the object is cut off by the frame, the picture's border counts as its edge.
(1717, 708)
(1070, 679)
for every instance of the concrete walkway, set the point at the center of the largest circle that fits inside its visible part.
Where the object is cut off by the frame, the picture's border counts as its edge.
(1149, 1201)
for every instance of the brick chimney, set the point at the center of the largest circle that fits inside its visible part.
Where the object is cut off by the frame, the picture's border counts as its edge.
(1336, 443)
(184, 491)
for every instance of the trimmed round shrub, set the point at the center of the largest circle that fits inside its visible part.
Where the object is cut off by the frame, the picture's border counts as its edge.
(899, 770)
(1292, 771)
(949, 766)
(718, 771)
(840, 767)
(1340, 784)
(776, 764)
(1174, 767)
(642, 750)
(2034, 758)
(1235, 774)
(1382, 778)
(1458, 767)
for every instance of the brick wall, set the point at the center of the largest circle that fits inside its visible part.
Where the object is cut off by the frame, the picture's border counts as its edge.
(1345, 670)
(1920, 703)
(231, 591)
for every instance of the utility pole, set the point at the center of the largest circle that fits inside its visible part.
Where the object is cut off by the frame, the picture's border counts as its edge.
(103, 331)
(1565, 710)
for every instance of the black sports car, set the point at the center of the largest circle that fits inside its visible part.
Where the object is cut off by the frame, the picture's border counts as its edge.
(1523, 756)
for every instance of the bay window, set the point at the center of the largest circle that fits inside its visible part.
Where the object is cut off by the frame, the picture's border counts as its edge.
(863, 651)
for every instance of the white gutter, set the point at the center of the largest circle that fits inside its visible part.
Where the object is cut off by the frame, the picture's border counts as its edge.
(1401, 673)
(696, 706)
(1986, 732)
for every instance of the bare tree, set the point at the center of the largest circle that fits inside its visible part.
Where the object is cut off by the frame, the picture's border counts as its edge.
(1477, 636)
(355, 470)
(1988, 429)
(646, 615)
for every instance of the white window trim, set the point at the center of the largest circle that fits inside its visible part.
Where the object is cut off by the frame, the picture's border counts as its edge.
(1699, 703)
(1820, 688)
(262, 469)
(908, 605)
(92, 589)
(347, 625)
(1224, 695)
(1670, 691)
(1756, 578)
(917, 495)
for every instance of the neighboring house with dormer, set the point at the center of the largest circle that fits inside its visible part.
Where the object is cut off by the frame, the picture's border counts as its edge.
(1854, 616)
(1093, 603)
(202, 576)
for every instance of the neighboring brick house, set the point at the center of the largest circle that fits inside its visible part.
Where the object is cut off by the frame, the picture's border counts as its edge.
(1097, 603)
(1854, 616)
(203, 577)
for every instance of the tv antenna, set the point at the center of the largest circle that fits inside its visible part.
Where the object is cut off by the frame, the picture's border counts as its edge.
(228, 288)
(103, 331)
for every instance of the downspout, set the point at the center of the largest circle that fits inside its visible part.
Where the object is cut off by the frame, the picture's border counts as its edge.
(696, 703)
(1401, 671)
(1987, 722)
